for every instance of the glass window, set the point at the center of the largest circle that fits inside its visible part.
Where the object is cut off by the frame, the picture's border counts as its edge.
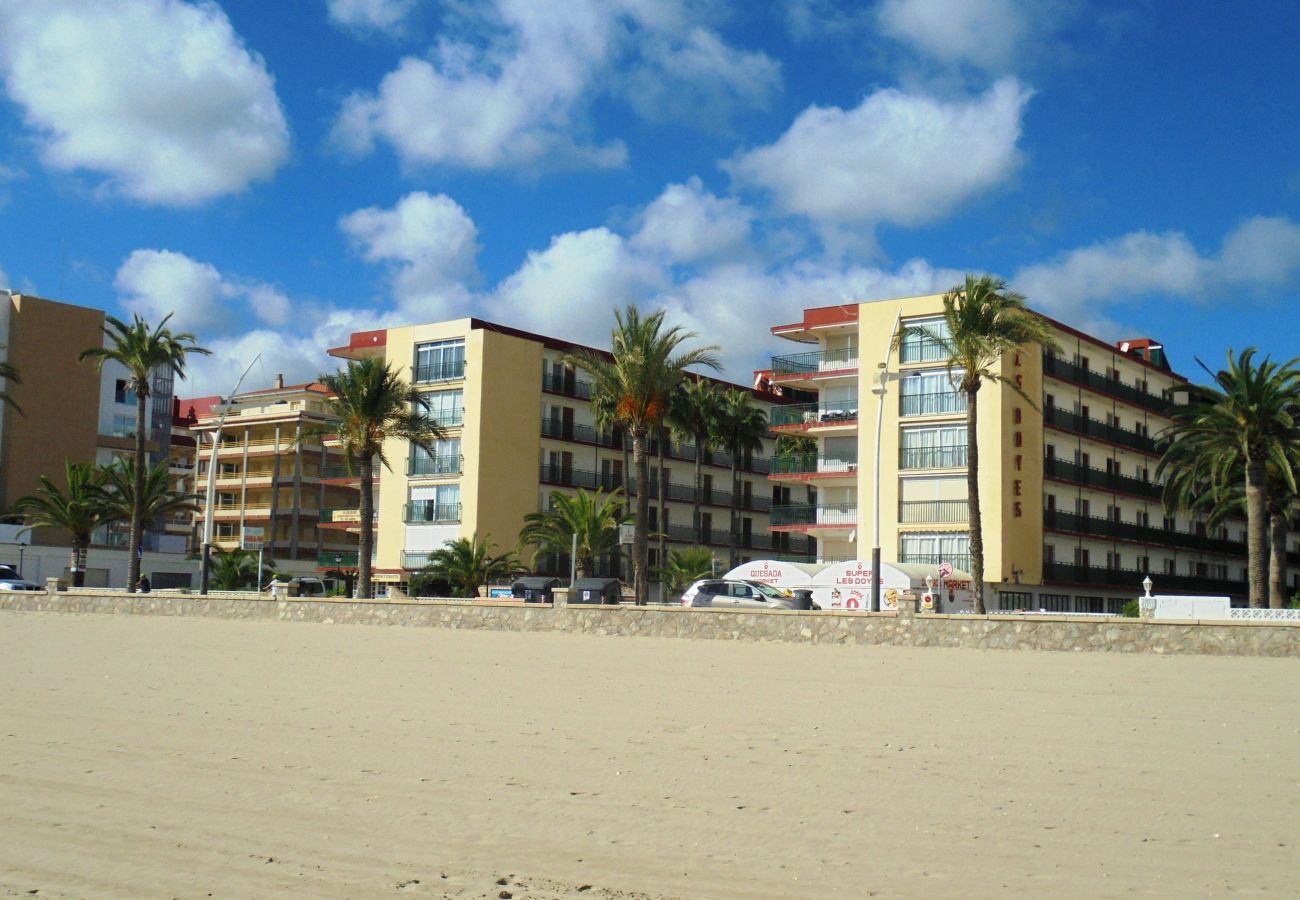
(919, 344)
(445, 458)
(439, 360)
(447, 408)
(934, 448)
(931, 393)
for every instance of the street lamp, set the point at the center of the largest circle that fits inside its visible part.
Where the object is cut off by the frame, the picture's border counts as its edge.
(883, 377)
(205, 563)
(22, 547)
(1146, 586)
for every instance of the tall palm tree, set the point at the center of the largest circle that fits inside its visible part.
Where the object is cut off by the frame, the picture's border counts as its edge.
(593, 517)
(79, 510)
(466, 564)
(1233, 433)
(984, 322)
(693, 412)
(159, 497)
(647, 364)
(372, 405)
(741, 427)
(142, 350)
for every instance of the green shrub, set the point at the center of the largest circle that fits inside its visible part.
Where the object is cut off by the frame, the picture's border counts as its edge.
(1130, 610)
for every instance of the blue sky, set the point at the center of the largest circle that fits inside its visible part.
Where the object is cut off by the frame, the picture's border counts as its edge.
(281, 174)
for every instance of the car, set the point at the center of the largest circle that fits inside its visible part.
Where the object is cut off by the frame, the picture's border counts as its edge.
(10, 580)
(723, 593)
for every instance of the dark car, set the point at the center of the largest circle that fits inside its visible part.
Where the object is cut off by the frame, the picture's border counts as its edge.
(722, 593)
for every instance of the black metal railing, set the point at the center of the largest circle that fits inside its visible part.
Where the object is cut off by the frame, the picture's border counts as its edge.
(567, 476)
(1068, 421)
(1131, 579)
(565, 385)
(445, 464)
(811, 514)
(949, 457)
(916, 347)
(936, 403)
(448, 418)
(424, 511)
(1054, 467)
(1103, 384)
(812, 414)
(913, 511)
(1094, 526)
(815, 361)
(443, 370)
(809, 463)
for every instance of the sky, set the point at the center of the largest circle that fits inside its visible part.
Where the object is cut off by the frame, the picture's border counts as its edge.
(277, 175)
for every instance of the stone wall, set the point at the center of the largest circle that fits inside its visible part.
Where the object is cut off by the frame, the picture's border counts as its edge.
(1008, 632)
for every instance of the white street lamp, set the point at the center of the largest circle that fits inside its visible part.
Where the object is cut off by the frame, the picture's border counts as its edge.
(1146, 586)
(205, 563)
(880, 389)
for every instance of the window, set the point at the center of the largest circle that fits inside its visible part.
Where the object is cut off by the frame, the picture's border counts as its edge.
(934, 448)
(1114, 561)
(932, 549)
(1081, 556)
(445, 458)
(439, 360)
(930, 394)
(1015, 600)
(447, 408)
(122, 392)
(918, 343)
(440, 503)
(1054, 602)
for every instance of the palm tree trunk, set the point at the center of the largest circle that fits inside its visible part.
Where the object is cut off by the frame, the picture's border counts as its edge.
(1277, 562)
(640, 540)
(627, 492)
(663, 496)
(78, 564)
(973, 501)
(699, 485)
(137, 502)
(734, 554)
(1256, 532)
(366, 539)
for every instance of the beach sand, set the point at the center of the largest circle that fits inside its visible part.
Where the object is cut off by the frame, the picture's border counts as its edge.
(186, 757)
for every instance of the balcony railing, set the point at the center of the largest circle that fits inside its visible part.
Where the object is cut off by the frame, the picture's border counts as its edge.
(912, 511)
(1102, 384)
(950, 457)
(938, 403)
(1112, 434)
(814, 414)
(565, 385)
(608, 481)
(1131, 580)
(816, 361)
(443, 370)
(918, 348)
(811, 463)
(447, 464)
(1054, 467)
(342, 559)
(1094, 526)
(448, 418)
(808, 514)
(582, 434)
(960, 561)
(423, 512)
(585, 434)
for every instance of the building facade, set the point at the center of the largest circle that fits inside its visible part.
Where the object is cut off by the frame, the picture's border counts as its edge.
(520, 427)
(1072, 514)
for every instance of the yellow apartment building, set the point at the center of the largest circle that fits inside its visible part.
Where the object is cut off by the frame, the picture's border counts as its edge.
(519, 427)
(276, 477)
(1073, 519)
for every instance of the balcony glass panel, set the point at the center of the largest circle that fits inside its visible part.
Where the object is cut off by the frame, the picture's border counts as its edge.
(424, 511)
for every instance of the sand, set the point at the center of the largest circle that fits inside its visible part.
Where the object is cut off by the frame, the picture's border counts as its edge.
(170, 757)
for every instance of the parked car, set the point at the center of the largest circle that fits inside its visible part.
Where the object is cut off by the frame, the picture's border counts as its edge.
(10, 580)
(743, 594)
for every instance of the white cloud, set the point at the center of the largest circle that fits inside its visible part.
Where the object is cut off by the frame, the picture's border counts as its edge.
(157, 283)
(570, 289)
(4, 279)
(687, 223)
(511, 85)
(374, 15)
(897, 157)
(160, 96)
(982, 33)
(430, 244)
(1263, 249)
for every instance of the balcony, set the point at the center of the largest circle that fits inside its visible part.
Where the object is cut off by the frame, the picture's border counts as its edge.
(566, 385)
(1131, 580)
(449, 464)
(920, 348)
(581, 434)
(448, 418)
(807, 515)
(1056, 367)
(806, 466)
(585, 434)
(681, 493)
(1109, 529)
(341, 472)
(933, 511)
(959, 561)
(444, 370)
(950, 457)
(1055, 417)
(938, 403)
(429, 512)
(806, 416)
(818, 362)
(1076, 474)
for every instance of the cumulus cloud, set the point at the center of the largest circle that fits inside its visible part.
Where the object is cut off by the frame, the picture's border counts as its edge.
(687, 223)
(160, 96)
(1258, 254)
(511, 85)
(157, 283)
(370, 15)
(430, 245)
(897, 157)
(982, 33)
(4, 279)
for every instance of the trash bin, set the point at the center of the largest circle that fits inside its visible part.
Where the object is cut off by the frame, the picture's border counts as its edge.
(596, 590)
(534, 588)
(802, 598)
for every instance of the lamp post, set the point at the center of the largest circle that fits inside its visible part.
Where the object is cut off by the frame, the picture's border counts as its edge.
(22, 547)
(1146, 586)
(205, 562)
(883, 377)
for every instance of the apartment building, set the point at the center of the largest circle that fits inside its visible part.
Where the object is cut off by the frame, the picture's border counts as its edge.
(278, 479)
(1072, 514)
(520, 427)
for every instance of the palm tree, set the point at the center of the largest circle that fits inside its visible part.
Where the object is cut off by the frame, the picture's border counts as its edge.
(984, 322)
(466, 564)
(159, 497)
(142, 351)
(693, 412)
(741, 427)
(373, 404)
(685, 566)
(236, 570)
(79, 510)
(1232, 433)
(647, 364)
(593, 516)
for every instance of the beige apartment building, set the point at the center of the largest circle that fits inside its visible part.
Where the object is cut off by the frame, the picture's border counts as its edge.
(1073, 518)
(519, 427)
(278, 480)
